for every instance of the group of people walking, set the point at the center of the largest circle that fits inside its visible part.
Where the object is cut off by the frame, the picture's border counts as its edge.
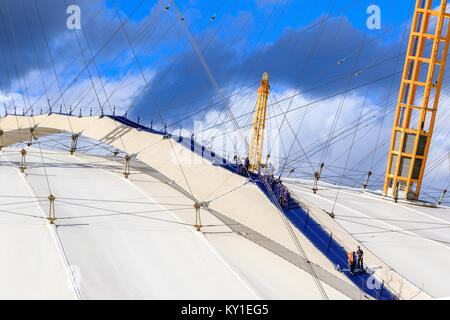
(265, 172)
(356, 260)
(280, 191)
(242, 168)
(282, 194)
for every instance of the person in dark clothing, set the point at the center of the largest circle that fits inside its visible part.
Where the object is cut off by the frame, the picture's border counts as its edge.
(247, 164)
(281, 195)
(286, 200)
(359, 259)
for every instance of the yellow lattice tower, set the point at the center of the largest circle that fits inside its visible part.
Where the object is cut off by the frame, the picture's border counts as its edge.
(418, 100)
(259, 122)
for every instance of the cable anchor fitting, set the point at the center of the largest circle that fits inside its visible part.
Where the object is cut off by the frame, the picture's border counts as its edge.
(317, 178)
(126, 172)
(73, 146)
(1, 140)
(23, 163)
(32, 137)
(440, 200)
(198, 222)
(366, 183)
(51, 210)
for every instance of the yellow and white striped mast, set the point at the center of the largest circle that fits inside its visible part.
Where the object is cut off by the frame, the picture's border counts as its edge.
(259, 122)
(422, 78)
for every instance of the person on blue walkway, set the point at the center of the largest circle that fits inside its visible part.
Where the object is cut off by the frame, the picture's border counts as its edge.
(239, 165)
(247, 165)
(281, 195)
(360, 257)
(276, 189)
(351, 262)
(286, 200)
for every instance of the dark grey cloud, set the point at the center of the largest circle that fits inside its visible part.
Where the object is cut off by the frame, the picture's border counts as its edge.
(24, 48)
(296, 59)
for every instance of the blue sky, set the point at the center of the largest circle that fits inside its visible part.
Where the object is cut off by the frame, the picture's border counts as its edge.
(298, 42)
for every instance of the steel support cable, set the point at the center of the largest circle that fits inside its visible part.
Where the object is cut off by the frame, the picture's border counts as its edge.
(320, 149)
(295, 134)
(99, 77)
(4, 102)
(238, 35)
(311, 52)
(52, 61)
(314, 45)
(367, 131)
(297, 243)
(342, 100)
(87, 64)
(325, 98)
(311, 26)
(26, 90)
(297, 108)
(87, 69)
(98, 52)
(10, 81)
(150, 93)
(228, 109)
(350, 123)
(224, 53)
(36, 55)
(357, 125)
(379, 163)
(296, 240)
(211, 77)
(344, 129)
(303, 115)
(298, 127)
(173, 64)
(209, 106)
(407, 232)
(254, 60)
(107, 101)
(12, 54)
(122, 81)
(167, 71)
(191, 56)
(288, 226)
(278, 126)
(335, 140)
(63, 49)
(314, 88)
(279, 135)
(11, 94)
(436, 163)
(368, 67)
(208, 71)
(175, 101)
(21, 214)
(225, 193)
(384, 143)
(392, 80)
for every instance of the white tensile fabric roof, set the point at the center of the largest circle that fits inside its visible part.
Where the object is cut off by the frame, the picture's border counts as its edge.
(413, 240)
(119, 238)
